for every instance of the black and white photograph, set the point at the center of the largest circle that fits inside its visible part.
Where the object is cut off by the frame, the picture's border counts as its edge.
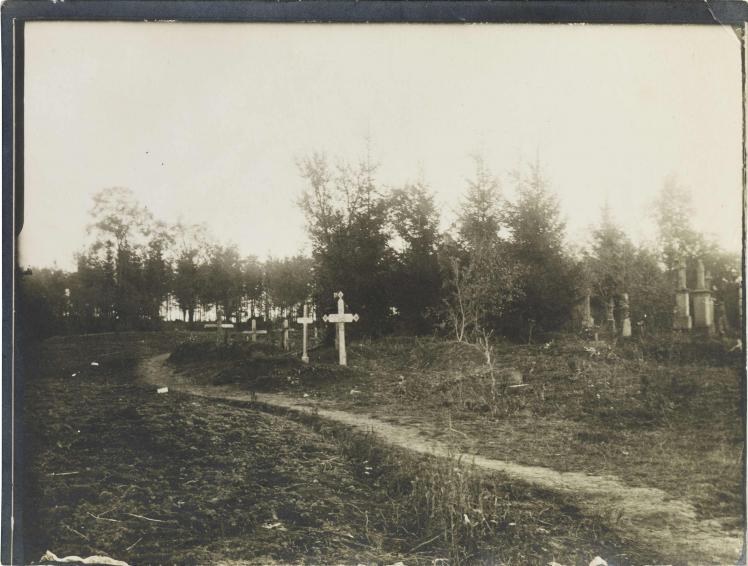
(402, 294)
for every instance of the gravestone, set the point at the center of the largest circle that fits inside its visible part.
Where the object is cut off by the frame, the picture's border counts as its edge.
(682, 313)
(304, 321)
(610, 321)
(703, 305)
(625, 316)
(587, 320)
(340, 319)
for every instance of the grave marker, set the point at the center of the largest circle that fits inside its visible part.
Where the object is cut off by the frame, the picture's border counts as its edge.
(221, 336)
(340, 319)
(587, 320)
(254, 332)
(625, 316)
(703, 306)
(611, 319)
(304, 321)
(682, 315)
(284, 337)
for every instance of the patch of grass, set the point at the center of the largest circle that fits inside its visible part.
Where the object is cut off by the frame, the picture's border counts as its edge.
(448, 507)
(604, 408)
(113, 468)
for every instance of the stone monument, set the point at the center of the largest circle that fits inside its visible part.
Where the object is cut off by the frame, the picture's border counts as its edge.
(625, 316)
(703, 302)
(682, 315)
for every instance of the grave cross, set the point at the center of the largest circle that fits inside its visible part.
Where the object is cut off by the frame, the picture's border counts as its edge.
(340, 319)
(221, 336)
(254, 332)
(304, 321)
(285, 343)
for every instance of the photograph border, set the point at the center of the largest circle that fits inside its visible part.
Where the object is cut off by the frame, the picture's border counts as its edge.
(15, 13)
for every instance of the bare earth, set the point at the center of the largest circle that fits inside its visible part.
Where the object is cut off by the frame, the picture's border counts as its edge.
(648, 515)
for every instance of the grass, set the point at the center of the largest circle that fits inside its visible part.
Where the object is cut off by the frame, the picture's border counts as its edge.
(113, 468)
(469, 516)
(663, 413)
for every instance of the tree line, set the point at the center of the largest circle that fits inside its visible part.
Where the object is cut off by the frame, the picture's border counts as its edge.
(502, 268)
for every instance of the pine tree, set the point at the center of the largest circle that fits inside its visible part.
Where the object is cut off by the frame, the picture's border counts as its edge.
(549, 277)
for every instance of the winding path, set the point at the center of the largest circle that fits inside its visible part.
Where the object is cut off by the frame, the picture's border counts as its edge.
(647, 515)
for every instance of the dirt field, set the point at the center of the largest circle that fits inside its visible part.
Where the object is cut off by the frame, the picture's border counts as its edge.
(650, 416)
(114, 468)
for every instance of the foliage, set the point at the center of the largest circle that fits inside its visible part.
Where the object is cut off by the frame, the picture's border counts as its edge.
(480, 278)
(416, 278)
(222, 283)
(287, 282)
(673, 209)
(503, 268)
(346, 220)
(549, 278)
(44, 302)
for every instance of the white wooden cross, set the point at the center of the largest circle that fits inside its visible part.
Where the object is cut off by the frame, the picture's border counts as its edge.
(340, 319)
(254, 332)
(304, 321)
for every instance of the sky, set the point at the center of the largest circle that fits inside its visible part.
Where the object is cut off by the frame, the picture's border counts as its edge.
(205, 122)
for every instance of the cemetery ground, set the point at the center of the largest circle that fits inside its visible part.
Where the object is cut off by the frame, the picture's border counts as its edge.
(115, 468)
(661, 418)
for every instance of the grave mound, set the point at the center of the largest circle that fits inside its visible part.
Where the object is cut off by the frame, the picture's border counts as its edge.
(210, 351)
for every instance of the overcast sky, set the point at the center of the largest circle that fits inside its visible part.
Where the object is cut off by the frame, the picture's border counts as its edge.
(205, 122)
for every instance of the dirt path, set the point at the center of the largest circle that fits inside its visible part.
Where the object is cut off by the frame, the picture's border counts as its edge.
(647, 515)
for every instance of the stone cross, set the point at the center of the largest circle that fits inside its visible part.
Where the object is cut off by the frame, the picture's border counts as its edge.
(304, 321)
(340, 319)
(254, 332)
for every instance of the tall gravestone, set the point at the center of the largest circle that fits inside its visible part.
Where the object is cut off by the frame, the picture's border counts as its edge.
(703, 304)
(587, 320)
(610, 321)
(625, 316)
(682, 315)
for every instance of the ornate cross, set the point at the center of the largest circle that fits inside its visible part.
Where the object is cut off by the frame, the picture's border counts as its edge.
(340, 319)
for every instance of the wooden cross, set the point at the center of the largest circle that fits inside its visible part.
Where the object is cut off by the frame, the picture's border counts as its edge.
(219, 326)
(340, 319)
(254, 332)
(304, 321)
(284, 339)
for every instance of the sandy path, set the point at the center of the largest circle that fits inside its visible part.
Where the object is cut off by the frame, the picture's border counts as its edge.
(647, 515)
